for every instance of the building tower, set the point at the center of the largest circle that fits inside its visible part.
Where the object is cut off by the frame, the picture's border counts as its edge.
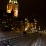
(39, 28)
(35, 22)
(13, 5)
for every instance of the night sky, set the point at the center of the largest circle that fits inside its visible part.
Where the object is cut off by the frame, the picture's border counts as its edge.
(29, 7)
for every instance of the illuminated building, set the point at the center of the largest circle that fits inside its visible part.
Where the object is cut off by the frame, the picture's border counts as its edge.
(31, 24)
(39, 28)
(35, 22)
(13, 5)
(27, 24)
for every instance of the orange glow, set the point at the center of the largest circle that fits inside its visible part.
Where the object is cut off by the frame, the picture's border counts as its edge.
(8, 11)
(26, 29)
(16, 13)
(13, 5)
(9, 8)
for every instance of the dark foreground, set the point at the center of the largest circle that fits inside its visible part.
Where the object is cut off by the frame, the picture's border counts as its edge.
(34, 39)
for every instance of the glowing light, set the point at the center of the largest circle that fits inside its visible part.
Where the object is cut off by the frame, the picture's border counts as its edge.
(12, 28)
(16, 2)
(9, 8)
(16, 13)
(9, 1)
(25, 19)
(35, 23)
(26, 29)
(33, 28)
(35, 20)
(13, 1)
(13, 6)
(8, 11)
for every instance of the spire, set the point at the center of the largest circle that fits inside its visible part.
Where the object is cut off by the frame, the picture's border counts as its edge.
(39, 27)
(16, 1)
(10, 1)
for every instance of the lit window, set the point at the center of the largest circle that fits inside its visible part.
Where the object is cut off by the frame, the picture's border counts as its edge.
(8, 11)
